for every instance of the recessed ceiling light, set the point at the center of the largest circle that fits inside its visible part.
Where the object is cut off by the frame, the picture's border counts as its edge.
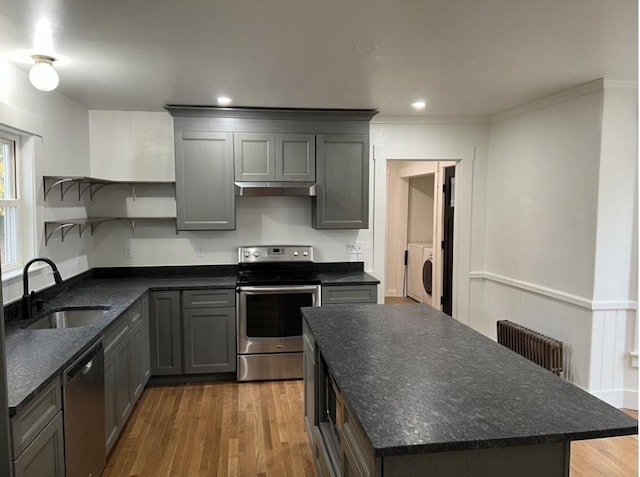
(365, 47)
(420, 104)
(224, 101)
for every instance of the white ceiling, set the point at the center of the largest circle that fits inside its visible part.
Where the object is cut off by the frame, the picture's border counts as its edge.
(466, 57)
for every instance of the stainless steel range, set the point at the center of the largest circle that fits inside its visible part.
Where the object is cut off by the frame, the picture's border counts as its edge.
(274, 282)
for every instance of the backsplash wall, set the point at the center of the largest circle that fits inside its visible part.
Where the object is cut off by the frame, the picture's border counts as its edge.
(265, 220)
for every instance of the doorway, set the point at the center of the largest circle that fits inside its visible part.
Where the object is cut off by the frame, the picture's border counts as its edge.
(415, 231)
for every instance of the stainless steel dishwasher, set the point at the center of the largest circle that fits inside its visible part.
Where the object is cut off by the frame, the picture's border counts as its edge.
(84, 414)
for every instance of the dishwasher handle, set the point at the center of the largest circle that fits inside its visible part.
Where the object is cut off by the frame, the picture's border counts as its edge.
(84, 364)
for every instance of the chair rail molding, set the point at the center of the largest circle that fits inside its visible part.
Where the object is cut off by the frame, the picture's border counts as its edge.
(592, 305)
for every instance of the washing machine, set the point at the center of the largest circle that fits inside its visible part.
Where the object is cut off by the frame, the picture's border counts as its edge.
(420, 272)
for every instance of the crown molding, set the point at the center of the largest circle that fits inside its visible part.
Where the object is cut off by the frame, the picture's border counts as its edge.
(382, 119)
(572, 93)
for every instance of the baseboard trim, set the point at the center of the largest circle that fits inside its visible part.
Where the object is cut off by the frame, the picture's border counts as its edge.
(614, 397)
(601, 305)
(630, 399)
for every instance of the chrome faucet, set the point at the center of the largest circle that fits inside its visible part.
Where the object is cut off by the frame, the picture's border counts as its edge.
(26, 296)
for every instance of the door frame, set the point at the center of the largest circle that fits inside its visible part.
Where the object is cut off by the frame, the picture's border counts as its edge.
(464, 158)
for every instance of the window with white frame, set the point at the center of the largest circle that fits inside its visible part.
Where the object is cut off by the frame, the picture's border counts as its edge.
(9, 202)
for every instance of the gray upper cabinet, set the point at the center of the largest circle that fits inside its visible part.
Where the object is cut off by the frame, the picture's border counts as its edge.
(263, 157)
(254, 157)
(295, 157)
(205, 197)
(327, 146)
(342, 188)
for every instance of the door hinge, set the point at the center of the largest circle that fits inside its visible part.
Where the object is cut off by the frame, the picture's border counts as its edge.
(442, 300)
(406, 257)
(442, 245)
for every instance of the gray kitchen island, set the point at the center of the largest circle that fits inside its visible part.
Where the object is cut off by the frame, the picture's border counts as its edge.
(405, 390)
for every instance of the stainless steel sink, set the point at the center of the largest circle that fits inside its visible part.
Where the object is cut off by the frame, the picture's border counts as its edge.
(70, 317)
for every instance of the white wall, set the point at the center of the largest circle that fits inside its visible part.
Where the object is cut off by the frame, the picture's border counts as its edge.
(444, 139)
(421, 209)
(615, 270)
(561, 193)
(135, 145)
(132, 145)
(56, 131)
(616, 267)
(542, 194)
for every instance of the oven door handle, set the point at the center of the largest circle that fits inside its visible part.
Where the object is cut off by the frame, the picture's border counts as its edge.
(282, 289)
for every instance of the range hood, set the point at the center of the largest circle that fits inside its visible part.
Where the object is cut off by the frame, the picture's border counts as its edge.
(276, 189)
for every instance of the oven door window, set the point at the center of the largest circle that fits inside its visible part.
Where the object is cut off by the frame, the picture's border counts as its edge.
(275, 315)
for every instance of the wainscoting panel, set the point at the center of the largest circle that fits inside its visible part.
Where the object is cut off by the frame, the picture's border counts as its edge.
(597, 341)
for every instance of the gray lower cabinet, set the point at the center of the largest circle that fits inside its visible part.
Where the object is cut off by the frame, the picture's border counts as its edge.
(342, 182)
(124, 391)
(309, 374)
(126, 355)
(146, 351)
(136, 373)
(38, 436)
(341, 295)
(197, 338)
(165, 333)
(209, 340)
(111, 424)
(205, 195)
(44, 457)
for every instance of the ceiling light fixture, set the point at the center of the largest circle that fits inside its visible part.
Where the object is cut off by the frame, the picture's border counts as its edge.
(224, 101)
(42, 75)
(365, 47)
(420, 104)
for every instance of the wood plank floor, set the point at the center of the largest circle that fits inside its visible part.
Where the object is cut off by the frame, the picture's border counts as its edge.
(221, 429)
(257, 429)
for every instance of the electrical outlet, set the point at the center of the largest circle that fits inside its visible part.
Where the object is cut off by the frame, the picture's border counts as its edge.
(199, 251)
(354, 248)
(127, 251)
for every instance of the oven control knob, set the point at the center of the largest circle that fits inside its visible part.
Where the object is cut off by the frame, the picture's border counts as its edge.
(247, 254)
(305, 253)
(256, 254)
(296, 253)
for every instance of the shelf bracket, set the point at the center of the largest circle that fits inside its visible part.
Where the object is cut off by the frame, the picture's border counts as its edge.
(63, 190)
(64, 229)
(95, 188)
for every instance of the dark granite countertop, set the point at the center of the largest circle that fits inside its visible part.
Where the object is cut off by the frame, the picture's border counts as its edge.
(419, 381)
(346, 278)
(36, 357)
